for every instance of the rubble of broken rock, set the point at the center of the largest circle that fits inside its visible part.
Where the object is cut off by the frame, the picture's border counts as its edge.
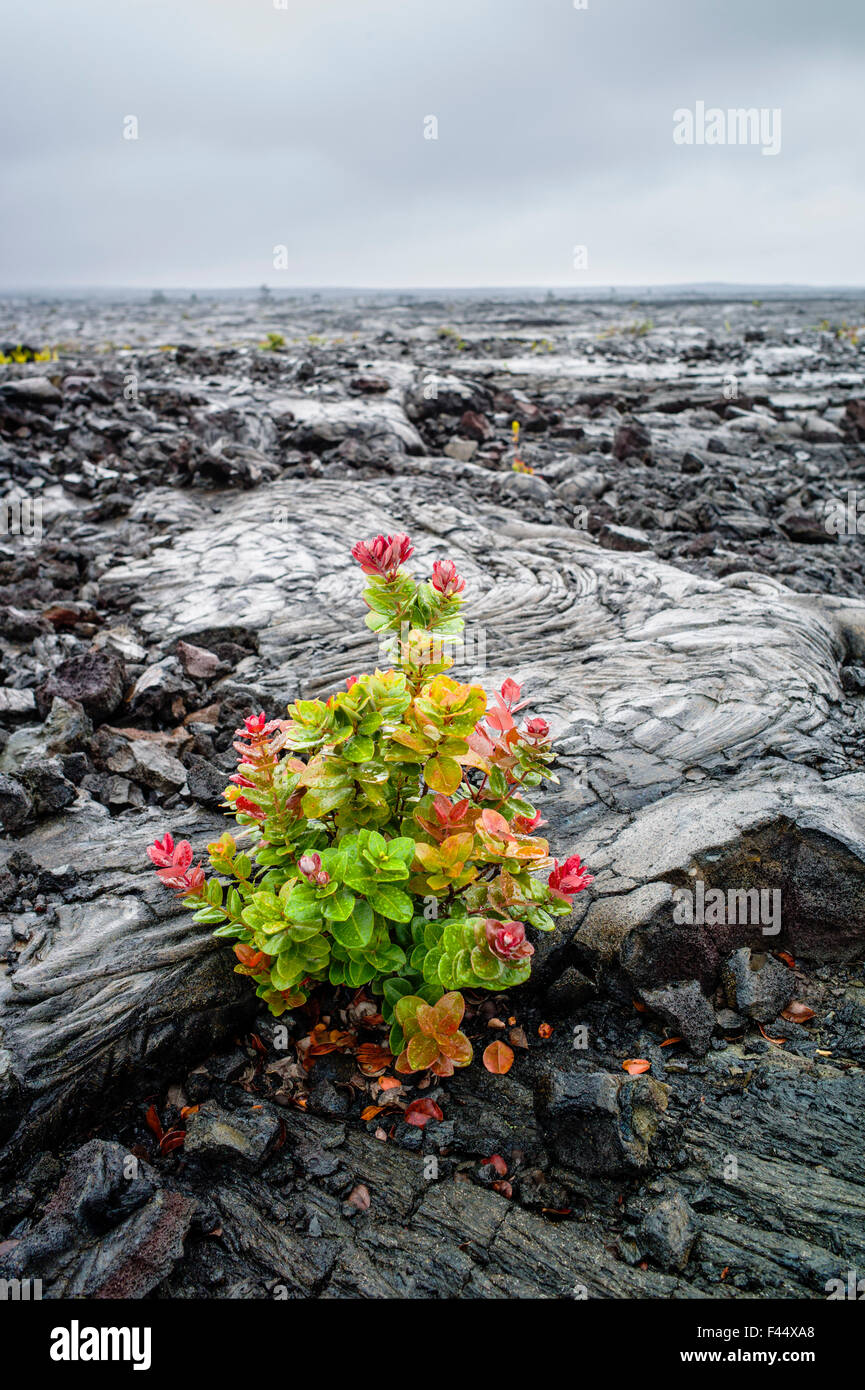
(665, 586)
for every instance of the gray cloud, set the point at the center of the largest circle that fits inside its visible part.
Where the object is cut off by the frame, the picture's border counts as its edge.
(304, 127)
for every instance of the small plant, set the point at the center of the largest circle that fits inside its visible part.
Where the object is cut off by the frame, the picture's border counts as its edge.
(274, 342)
(387, 834)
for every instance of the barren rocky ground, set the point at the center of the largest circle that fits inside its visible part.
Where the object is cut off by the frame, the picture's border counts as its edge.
(680, 586)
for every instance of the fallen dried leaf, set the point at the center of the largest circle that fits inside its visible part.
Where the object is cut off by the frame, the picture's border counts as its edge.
(495, 1023)
(797, 1012)
(154, 1123)
(786, 958)
(497, 1162)
(504, 1188)
(389, 1083)
(517, 1037)
(634, 1066)
(498, 1058)
(545, 1030)
(359, 1197)
(188, 1110)
(420, 1112)
(779, 1042)
(668, 1042)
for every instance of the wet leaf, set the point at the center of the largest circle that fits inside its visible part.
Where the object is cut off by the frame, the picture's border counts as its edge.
(517, 1038)
(545, 1030)
(797, 1012)
(779, 1042)
(359, 1197)
(498, 1058)
(496, 1162)
(786, 958)
(635, 1066)
(420, 1112)
(668, 1042)
(154, 1123)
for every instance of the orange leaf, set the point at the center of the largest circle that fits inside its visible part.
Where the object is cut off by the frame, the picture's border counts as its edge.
(786, 958)
(545, 1030)
(779, 1042)
(188, 1110)
(154, 1122)
(174, 1139)
(373, 1059)
(797, 1012)
(641, 1008)
(635, 1065)
(498, 1058)
(668, 1042)
(389, 1083)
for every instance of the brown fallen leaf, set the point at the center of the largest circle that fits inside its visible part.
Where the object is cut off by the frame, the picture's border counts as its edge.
(517, 1038)
(634, 1066)
(359, 1197)
(797, 1012)
(641, 1008)
(389, 1083)
(504, 1188)
(498, 1058)
(495, 1023)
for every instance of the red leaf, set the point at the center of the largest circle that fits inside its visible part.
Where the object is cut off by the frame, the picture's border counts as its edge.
(420, 1112)
(153, 1122)
(504, 1188)
(497, 1162)
(545, 1030)
(498, 1058)
(174, 1139)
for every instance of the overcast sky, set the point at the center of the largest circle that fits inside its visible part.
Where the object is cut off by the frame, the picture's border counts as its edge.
(304, 127)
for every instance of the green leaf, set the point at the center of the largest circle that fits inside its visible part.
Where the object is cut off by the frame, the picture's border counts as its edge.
(391, 902)
(443, 775)
(355, 932)
(359, 749)
(338, 907)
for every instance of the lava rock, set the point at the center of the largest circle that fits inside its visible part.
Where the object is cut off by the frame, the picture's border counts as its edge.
(215, 1135)
(667, 1233)
(206, 781)
(571, 989)
(598, 1123)
(94, 679)
(16, 806)
(757, 985)
(623, 538)
(685, 1009)
(47, 786)
(632, 440)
